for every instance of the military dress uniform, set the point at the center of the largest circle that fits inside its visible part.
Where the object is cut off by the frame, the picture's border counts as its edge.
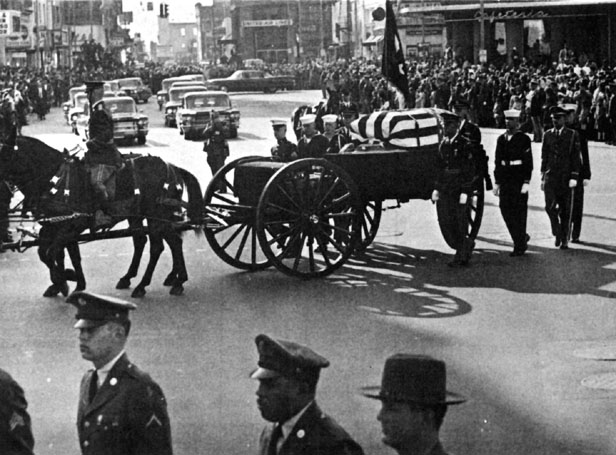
(560, 163)
(315, 147)
(127, 415)
(217, 149)
(513, 168)
(578, 194)
(284, 151)
(458, 174)
(15, 428)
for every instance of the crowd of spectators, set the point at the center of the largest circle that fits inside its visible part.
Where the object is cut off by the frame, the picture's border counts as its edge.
(529, 85)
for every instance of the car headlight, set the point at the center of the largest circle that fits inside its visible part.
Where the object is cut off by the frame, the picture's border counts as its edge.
(171, 110)
(160, 97)
(142, 122)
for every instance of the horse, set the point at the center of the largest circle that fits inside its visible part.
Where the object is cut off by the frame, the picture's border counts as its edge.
(62, 199)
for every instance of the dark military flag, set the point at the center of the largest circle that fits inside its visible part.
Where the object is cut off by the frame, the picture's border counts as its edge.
(394, 67)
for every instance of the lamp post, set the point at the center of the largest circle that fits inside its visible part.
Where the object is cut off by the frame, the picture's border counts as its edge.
(482, 31)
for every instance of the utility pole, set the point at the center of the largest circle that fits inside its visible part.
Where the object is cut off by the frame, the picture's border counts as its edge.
(482, 34)
(321, 31)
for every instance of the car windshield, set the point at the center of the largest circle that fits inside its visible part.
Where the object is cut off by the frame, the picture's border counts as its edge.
(176, 95)
(167, 83)
(129, 82)
(206, 101)
(80, 100)
(121, 106)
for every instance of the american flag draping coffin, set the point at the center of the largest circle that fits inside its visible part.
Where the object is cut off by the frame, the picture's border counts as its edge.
(405, 129)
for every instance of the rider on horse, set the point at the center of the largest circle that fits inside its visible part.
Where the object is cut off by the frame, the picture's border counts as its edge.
(102, 158)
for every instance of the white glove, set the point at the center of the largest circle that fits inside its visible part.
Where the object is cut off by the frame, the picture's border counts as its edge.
(463, 198)
(435, 195)
(572, 183)
(586, 182)
(524, 189)
(496, 190)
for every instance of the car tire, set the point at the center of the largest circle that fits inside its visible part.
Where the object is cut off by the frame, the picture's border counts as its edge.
(141, 140)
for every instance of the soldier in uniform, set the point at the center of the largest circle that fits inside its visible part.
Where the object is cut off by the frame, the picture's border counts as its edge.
(414, 402)
(121, 410)
(216, 146)
(457, 179)
(512, 173)
(584, 176)
(6, 194)
(560, 171)
(102, 159)
(284, 150)
(330, 128)
(345, 140)
(312, 144)
(288, 374)
(15, 427)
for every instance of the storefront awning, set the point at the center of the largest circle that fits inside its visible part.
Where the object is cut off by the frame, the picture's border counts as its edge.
(373, 40)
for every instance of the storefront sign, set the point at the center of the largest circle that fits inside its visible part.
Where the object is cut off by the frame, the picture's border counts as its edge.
(9, 22)
(268, 23)
(510, 15)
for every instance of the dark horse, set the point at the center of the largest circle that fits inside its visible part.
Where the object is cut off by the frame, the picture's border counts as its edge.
(57, 188)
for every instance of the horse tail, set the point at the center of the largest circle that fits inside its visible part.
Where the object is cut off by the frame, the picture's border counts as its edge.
(195, 196)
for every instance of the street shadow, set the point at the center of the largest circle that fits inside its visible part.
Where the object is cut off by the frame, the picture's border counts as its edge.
(536, 208)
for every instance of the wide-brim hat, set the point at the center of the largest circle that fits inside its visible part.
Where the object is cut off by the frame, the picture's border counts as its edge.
(417, 379)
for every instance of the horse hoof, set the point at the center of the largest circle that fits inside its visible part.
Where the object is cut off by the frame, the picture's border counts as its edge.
(177, 289)
(138, 293)
(51, 291)
(124, 283)
(64, 289)
(169, 280)
(70, 275)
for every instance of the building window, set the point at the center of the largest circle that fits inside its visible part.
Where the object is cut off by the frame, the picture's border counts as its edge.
(194, 31)
(183, 31)
(150, 6)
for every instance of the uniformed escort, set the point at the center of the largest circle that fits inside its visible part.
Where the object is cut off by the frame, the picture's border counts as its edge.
(284, 150)
(15, 427)
(288, 374)
(414, 401)
(216, 146)
(312, 144)
(456, 181)
(121, 410)
(512, 173)
(560, 171)
(572, 122)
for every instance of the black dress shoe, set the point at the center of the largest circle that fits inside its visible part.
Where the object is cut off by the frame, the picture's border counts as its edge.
(516, 253)
(564, 246)
(575, 241)
(557, 241)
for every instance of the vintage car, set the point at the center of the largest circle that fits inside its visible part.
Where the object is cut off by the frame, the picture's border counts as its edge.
(162, 96)
(78, 109)
(135, 88)
(128, 122)
(252, 81)
(67, 105)
(175, 101)
(195, 114)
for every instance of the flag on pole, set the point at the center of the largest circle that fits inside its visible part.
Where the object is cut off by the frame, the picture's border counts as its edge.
(393, 65)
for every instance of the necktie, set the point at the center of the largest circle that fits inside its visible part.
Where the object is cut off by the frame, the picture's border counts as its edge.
(272, 448)
(93, 386)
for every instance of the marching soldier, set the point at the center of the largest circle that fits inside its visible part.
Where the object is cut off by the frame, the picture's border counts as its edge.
(15, 427)
(584, 177)
(457, 180)
(288, 374)
(312, 144)
(284, 150)
(560, 171)
(121, 410)
(512, 173)
(216, 146)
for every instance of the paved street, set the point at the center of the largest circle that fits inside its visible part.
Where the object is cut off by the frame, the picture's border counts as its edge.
(518, 334)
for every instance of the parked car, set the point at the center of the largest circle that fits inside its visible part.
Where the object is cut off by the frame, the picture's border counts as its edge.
(67, 105)
(195, 113)
(252, 81)
(79, 109)
(128, 122)
(135, 88)
(162, 96)
(175, 101)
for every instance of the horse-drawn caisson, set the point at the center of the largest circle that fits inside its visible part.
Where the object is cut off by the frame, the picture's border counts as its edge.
(308, 216)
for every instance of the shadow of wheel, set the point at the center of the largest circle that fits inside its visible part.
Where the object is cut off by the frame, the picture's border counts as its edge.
(447, 212)
(370, 221)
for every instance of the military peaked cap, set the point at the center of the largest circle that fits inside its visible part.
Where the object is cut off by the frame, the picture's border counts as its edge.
(286, 358)
(557, 111)
(94, 310)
